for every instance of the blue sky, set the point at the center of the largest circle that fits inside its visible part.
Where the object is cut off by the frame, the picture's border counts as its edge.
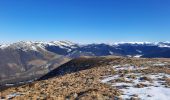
(85, 21)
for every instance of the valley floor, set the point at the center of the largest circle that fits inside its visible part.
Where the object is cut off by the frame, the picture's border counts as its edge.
(109, 78)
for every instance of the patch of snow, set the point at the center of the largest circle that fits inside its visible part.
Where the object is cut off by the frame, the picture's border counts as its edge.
(137, 56)
(34, 48)
(3, 46)
(10, 96)
(147, 93)
(69, 50)
(128, 67)
(9, 84)
(21, 82)
(139, 51)
(30, 81)
(129, 55)
(122, 84)
(105, 80)
(111, 52)
(154, 90)
(47, 65)
(159, 64)
(164, 46)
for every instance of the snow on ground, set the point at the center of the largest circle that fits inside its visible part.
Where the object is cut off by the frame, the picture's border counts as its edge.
(152, 91)
(151, 88)
(9, 84)
(10, 96)
(137, 56)
(111, 52)
(109, 78)
(128, 67)
(139, 51)
(147, 93)
(159, 64)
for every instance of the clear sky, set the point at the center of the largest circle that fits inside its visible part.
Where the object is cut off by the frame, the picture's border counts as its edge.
(85, 21)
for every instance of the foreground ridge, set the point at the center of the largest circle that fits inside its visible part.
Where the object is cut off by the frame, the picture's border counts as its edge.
(106, 78)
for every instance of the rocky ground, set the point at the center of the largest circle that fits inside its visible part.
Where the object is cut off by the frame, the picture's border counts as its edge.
(105, 78)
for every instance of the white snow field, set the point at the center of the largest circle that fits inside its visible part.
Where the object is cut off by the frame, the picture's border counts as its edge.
(152, 89)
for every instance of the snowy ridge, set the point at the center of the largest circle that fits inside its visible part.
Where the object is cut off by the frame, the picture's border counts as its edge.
(63, 44)
(164, 44)
(3, 46)
(141, 43)
(73, 45)
(30, 45)
(159, 44)
(128, 49)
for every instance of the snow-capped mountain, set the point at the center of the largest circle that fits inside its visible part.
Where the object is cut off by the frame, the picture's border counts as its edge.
(67, 48)
(27, 59)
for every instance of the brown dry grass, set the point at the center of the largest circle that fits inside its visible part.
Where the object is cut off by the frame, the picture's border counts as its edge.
(85, 84)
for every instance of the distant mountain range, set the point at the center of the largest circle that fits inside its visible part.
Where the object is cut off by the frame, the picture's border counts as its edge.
(30, 59)
(72, 50)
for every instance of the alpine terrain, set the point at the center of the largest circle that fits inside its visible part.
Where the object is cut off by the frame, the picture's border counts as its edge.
(62, 70)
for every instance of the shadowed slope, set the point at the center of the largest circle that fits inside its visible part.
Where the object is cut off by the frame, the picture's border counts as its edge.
(79, 64)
